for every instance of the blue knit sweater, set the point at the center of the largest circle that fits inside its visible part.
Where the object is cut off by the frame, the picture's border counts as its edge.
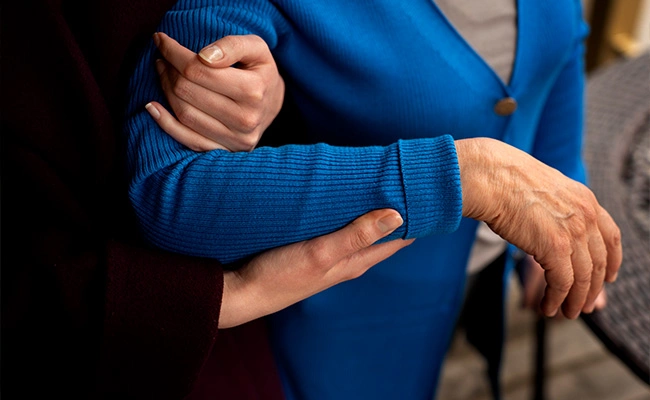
(385, 86)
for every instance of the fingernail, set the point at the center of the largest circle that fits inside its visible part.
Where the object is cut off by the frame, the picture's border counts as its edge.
(156, 39)
(390, 222)
(160, 66)
(211, 53)
(153, 111)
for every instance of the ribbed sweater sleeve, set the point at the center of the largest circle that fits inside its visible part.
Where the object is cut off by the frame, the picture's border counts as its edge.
(231, 205)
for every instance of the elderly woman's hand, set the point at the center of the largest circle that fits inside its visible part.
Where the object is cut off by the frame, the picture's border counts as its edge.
(534, 284)
(549, 216)
(224, 97)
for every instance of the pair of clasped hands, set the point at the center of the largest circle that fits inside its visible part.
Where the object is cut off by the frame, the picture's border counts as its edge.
(556, 220)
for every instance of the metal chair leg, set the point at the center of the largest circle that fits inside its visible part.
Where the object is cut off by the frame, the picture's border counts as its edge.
(540, 358)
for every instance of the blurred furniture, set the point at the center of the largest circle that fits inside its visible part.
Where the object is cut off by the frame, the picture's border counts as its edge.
(617, 152)
(618, 29)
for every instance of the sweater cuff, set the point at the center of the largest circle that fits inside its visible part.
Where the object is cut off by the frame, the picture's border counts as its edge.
(432, 188)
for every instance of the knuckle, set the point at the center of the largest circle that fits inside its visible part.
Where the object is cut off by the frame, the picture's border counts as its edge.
(615, 236)
(249, 141)
(255, 39)
(578, 220)
(587, 203)
(256, 95)
(253, 80)
(562, 245)
(250, 121)
(186, 116)
(234, 43)
(599, 265)
(585, 192)
(194, 72)
(254, 89)
(590, 214)
(582, 278)
(318, 256)
(182, 90)
(360, 239)
(578, 229)
(565, 285)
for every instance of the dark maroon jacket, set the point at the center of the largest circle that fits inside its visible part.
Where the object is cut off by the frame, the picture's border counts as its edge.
(88, 310)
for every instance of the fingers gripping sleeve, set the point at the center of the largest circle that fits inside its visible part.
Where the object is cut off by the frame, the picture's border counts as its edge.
(231, 205)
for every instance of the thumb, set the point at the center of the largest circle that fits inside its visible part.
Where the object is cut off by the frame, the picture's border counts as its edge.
(358, 235)
(249, 50)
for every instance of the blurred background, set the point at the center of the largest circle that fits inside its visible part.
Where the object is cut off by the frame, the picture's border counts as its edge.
(557, 359)
(619, 29)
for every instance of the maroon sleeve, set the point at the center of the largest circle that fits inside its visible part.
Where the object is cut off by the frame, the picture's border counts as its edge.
(88, 310)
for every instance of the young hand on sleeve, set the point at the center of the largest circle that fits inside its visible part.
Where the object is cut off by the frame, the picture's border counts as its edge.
(225, 107)
(283, 276)
(223, 97)
(533, 206)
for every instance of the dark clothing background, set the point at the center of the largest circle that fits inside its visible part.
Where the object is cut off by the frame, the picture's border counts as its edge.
(88, 311)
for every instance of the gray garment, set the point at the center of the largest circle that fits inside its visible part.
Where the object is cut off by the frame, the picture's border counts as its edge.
(490, 28)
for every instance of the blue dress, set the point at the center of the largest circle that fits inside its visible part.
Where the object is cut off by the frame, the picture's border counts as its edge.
(384, 87)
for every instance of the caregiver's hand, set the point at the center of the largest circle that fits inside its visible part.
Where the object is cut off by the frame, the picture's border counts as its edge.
(549, 216)
(283, 276)
(229, 92)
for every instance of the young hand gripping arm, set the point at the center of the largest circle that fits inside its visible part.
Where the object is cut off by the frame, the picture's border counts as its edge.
(232, 205)
(476, 168)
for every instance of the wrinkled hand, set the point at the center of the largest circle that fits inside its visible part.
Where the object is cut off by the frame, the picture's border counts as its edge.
(281, 277)
(538, 209)
(534, 285)
(218, 105)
